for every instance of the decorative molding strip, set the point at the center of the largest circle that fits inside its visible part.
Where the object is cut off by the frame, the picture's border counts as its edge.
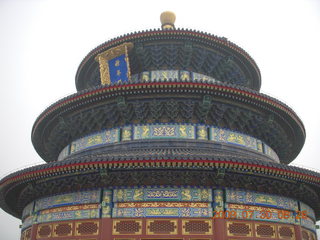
(84, 197)
(69, 215)
(258, 213)
(162, 205)
(162, 194)
(103, 137)
(70, 208)
(168, 131)
(170, 75)
(161, 212)
(260, 199)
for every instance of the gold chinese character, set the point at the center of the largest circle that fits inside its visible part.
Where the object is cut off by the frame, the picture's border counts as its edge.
(118, 73)
(117, 63)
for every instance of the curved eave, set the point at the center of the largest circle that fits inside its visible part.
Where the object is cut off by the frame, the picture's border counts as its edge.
(75, 166)
(228, 91)
(157, 34)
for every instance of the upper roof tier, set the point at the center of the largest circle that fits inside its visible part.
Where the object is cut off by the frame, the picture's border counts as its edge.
(177, 49)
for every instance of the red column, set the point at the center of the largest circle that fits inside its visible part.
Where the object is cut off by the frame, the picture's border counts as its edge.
(219, 229)
(34, 230)
(106, 228)
(297, 232)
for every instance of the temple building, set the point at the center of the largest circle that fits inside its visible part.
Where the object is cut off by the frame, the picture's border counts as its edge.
(167, 137)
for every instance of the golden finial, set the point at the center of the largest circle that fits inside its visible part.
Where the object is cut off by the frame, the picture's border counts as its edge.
(167, 19)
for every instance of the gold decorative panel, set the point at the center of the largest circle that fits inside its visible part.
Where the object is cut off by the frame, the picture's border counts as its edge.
(162, 226)
(123, 227)
(85, 228)
(265, 230)
(196, 226)
(235, 228)
(62, 229)
(44, 231)
(286, 232)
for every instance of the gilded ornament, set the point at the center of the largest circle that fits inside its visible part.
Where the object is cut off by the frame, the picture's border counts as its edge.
(109, 54)
(145, 77)
(185, 76)
(145, 131)
(183, 131)
(138, 194)
(186, 194)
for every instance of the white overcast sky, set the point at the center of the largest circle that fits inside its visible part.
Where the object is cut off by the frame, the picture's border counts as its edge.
(42, 43)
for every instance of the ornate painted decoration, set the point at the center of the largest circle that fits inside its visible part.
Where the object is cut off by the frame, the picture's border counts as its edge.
(161, 212)
(164, 131)
(168, 131)
(168, 202)
(260, 199)
(218, 202)
(106, 203)
(249, 212)
(83, 197)
(93, 140)
(162, 194)
(171, 75)
(69, 215)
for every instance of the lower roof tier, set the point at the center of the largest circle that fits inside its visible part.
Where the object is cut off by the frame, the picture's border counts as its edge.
(223, 106)
(85, 172)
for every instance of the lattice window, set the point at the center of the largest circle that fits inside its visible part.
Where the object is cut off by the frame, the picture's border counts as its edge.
(44, 231)
(285, 232)
(305, 235)
(87, 228)
(63, 229)
(265, 230)
(197, 227)
(127, 227)
(241, 229)
(162, 227)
